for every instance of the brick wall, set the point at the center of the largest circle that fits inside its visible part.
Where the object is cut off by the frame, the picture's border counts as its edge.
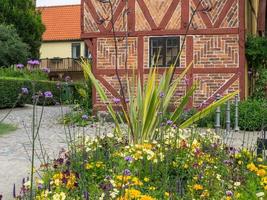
(215, 44)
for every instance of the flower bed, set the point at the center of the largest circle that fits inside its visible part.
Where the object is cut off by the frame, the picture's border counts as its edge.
(182, 165)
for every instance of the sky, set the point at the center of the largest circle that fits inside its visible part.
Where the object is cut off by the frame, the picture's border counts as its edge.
(56, 2)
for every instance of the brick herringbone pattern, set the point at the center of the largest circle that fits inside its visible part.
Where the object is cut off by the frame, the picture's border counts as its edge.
(209, 84)
(106, 53)
(231, 19)
(197, 21)
(89, 23)
(103, 9)
(216, 51)
(140, 18)
(175, 21)
(216, 8)
(158, 9)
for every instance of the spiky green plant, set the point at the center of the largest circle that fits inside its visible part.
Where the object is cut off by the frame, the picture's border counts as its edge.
(148, 103)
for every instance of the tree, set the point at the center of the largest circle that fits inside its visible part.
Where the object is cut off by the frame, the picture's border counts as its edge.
(27, 21)
(12, 49)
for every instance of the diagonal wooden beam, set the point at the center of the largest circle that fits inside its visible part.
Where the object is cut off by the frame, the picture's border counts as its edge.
(116, 14)
(95, 15)
(108, 86)
(168, 14)
(223, 13)
(203, 15)
(147, 14)
(220, 90)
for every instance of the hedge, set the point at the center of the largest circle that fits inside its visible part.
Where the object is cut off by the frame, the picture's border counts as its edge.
(252, 116)
(10, 88)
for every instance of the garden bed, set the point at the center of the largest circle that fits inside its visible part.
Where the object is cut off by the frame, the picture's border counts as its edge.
(183, 164)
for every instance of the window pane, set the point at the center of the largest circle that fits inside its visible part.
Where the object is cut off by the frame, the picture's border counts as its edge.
(76, 50)
(163, 51)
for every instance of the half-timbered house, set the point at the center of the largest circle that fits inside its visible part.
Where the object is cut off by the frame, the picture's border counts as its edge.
(213, 33)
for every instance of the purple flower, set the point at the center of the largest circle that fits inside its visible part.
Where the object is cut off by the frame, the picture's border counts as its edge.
(34, 62)
(161, 95)
(127, 172)
(85, 117)
(169, 122)
(127, 100)
(229, 193)
(24, 91)
(46, 70)
(128, 158)
(228, 162)
(116, 100)
(67, 78)
(19, 66)
(48, 94)
(40, 186)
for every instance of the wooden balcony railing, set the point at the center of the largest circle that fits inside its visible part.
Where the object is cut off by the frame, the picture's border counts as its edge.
(61, 64)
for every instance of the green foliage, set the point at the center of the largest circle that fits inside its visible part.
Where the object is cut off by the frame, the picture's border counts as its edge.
(11, 88)
(12, 49)
(148, 105)
(6, 128)
(35, 74)
(27, 21)
(256, 51)
(252, 116)
(186, 165)
(260, 91)
(84, 90)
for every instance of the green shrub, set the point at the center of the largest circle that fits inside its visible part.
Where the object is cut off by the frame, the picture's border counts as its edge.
(11, 88)
(12, 48)
(35, 74)
(252, 116)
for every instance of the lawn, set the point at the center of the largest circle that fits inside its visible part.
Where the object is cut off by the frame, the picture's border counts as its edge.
(6, 128)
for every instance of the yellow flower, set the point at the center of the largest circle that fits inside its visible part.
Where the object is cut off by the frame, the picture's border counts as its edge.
(133, 193)
(265, 187)
(240, 162)
(61, 196)
(228, 198)
(261, 172)
(57, 182)
(197, 187)
(264, 180)
(205, 193)
(186, 166)
(146, 179)
(71, 181)
(152, 188)
(89, 166)
(146, 197)
(136, 181)
(167, 194)
(263, 166)
(252, 167)
(58, 176)
(259, 159)
(99, 164)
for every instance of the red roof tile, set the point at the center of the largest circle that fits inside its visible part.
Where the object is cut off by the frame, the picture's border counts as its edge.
(62, 22)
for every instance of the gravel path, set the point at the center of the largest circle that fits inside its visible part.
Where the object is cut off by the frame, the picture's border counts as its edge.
(14, 159)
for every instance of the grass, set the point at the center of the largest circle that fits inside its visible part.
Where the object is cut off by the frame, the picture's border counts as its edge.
(6, 128)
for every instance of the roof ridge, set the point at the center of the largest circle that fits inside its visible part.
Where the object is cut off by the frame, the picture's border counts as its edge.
(55, 6)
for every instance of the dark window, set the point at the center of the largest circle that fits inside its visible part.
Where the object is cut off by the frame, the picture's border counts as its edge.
(164, 51)
(76, 50)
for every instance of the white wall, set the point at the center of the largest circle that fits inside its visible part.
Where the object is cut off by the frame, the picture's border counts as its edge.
(58, 49)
